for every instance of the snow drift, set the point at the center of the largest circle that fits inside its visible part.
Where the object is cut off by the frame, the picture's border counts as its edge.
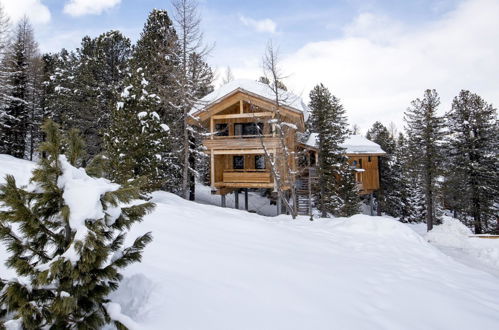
(215, 268)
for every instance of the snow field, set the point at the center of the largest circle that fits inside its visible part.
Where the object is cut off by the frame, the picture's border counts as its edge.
(215, 268)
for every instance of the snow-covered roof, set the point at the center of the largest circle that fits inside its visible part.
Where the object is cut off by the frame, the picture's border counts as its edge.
(254, 87)
(354, 144)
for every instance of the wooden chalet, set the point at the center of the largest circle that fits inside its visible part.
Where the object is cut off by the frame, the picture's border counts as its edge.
(239, 117)
(363, 156)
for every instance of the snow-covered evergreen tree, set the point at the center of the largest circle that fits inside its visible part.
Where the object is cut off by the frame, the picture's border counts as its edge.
(21, 98)
(65, 236)
(58, 88)
(425, 133)
(137, 143)
(337, 195)
(201, 78)
(191, 51)
(472, 145)
(99, 77)
(387, 196)
(157, 55)
(5, 88)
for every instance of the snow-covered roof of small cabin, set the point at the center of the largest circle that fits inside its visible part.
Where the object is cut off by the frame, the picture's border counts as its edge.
(354, 144)
(254, 87)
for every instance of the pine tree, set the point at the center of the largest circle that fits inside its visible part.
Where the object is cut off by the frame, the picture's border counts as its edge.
(68, 250)
(473, 159)
(337, 195)
(188, 25)
(386, 196)
(59, 85)
(201, 77)
(21, 97)
(98, 81)
(425, 133)
(414, 199)
(5, 87)
(136, 143)
(157, 55)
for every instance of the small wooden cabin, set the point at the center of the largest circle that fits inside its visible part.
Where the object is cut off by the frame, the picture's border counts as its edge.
(239, 117)
(363, 155)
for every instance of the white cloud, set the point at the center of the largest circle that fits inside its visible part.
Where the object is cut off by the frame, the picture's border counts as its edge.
(377, 68)
(379, 65)
(264, 25)
(85, 7)
(37, 12)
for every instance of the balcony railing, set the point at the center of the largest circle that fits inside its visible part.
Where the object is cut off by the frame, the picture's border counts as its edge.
(247, 176)
(242, 142)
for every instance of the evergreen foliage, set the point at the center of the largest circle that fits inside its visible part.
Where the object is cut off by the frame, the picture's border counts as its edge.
(410, 191)
(20, 99)
(472, 148)
(338, 193)
(100, 74)
(137, 143)
(156, 55)
(425, 134)
(67, 257)
(387, 196)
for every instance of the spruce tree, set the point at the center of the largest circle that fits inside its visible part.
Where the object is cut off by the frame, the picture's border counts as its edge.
(338, 192)
(59, 101)
(18, 64)
(65, 241)
(156, 54)
(425, 133)
(137, 143)
(98, 82)
(472, 145)
(386, 196)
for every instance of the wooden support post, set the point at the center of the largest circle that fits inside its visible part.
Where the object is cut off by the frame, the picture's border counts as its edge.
(212, 127)
(278, 203)
(212, 169)
(236, 199)
(246, 199)
(223, 200)
(241, 106)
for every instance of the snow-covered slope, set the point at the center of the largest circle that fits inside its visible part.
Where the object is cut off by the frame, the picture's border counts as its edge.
(215, 268)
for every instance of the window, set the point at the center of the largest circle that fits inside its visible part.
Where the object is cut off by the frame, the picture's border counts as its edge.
(260, 162)
(238, 129)
(248, 129)
(221, 130)
(360, 163)
(238, 162)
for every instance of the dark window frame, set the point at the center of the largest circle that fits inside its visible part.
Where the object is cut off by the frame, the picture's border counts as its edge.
(236, 164)
(248, 129)
(257, 157)
(222, 131)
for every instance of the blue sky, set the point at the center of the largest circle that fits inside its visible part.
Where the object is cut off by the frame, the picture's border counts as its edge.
(376, 56)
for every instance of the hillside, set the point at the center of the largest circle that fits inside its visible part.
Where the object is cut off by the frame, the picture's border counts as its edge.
(215, 268)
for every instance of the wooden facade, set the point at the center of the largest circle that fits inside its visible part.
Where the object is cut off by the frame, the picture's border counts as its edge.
(241, 132)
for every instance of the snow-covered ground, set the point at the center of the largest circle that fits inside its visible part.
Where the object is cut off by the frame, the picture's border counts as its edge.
(215, 268)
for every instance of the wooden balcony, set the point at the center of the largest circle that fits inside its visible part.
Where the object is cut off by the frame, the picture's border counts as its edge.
(241, 142)
(246, 179)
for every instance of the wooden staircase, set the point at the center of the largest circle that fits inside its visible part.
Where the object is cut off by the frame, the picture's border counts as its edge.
(304, 184)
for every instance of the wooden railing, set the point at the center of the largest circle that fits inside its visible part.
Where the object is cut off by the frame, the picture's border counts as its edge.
(238, 142)
(247, 176)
